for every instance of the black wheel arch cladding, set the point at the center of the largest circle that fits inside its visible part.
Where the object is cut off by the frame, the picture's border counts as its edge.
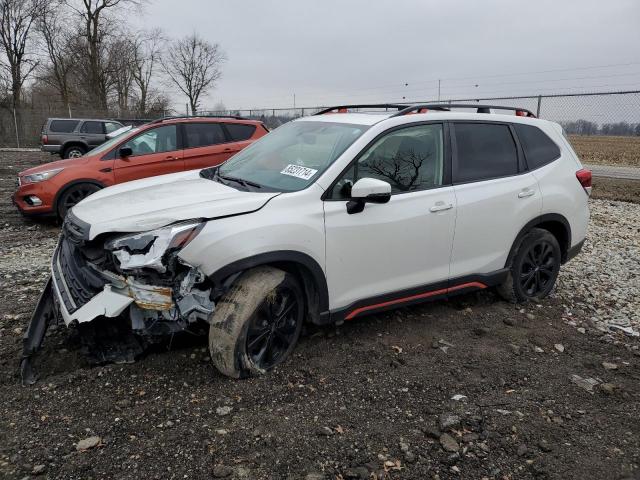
(303, 266)
(554, 223)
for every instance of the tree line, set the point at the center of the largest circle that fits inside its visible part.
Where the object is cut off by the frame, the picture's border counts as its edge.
(84, 52)
(586, 127)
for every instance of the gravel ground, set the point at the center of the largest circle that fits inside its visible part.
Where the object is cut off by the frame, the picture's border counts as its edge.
(467, 389)
(604, 281)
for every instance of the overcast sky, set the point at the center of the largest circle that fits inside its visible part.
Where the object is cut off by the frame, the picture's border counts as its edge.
(355, 51)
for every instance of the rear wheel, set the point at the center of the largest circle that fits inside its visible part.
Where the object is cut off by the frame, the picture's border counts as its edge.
(257, 324)
(74, 195)
(534, 268)
(74, 151)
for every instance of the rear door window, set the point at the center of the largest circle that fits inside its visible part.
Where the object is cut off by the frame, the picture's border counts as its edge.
(538, 148)
(63, 126)
(92, 127)
(240, 131)
(484, 151)
(203, 134)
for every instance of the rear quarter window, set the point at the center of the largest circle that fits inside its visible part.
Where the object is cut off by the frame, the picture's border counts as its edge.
(539, 149)
(239, 131)
(203, 134)
(63, 126)
(484, 151)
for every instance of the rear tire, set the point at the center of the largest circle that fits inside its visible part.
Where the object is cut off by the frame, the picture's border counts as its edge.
(534, 268)
(256, 325)
(73, 195)
(74, 151)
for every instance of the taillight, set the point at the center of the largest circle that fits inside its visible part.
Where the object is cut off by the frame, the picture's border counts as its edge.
(584, 177)
(45, 139)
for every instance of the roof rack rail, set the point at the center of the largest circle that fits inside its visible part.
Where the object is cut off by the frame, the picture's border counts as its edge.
(397, 106)
(522, 112)
(176, 117)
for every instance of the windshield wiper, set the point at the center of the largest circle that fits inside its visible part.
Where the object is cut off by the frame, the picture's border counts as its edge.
(214, 174)
(241, 181)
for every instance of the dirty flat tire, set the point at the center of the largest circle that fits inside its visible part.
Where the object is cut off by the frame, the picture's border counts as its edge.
(534, 268)
(256, 325)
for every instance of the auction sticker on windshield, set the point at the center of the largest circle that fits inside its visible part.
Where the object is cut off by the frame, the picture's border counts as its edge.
(299, 172)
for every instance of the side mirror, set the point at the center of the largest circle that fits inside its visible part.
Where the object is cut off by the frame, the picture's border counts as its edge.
(368, 190)
(125, 152)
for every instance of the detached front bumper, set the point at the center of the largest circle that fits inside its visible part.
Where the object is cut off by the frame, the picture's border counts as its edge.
(82, 289)
(83, 302)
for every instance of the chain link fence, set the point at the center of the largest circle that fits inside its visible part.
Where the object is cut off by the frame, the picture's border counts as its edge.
(608, 113)
(22, 127)
(604, 127)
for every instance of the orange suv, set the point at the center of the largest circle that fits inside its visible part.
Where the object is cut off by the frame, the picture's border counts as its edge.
(167, 145)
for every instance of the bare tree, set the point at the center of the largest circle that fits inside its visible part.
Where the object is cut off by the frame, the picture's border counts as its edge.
(404, 170)
(59, 41)
(95, 19)
(194, 65)
(17, 18)
(220, 107)
(147, 52)
(122, 63)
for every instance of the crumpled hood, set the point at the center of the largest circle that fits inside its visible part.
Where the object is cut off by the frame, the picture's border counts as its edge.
(154, 202)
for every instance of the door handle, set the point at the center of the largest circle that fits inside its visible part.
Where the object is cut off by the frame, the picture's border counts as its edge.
(527, 192)
(440, 206)
(171, 159)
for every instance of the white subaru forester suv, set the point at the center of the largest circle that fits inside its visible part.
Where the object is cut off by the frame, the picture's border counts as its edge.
(326, 219)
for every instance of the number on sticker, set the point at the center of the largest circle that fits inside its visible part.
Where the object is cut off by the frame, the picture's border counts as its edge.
(297, 171)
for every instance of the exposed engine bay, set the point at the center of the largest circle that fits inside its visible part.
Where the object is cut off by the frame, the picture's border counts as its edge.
(136, 281)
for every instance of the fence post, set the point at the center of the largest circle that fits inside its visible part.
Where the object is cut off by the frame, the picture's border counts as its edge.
(15, 122)
(539, 104)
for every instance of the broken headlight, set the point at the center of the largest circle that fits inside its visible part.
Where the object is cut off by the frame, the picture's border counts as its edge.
(147, 249)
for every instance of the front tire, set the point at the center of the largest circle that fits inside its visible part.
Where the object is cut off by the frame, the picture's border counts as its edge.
(73, 195)
(534, 268)
(256, 325)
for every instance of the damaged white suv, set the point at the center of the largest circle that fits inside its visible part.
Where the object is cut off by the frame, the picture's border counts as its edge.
(326, 219)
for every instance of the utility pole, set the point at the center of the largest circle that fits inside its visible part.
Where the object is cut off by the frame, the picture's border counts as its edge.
(438, 89)
(294, 101)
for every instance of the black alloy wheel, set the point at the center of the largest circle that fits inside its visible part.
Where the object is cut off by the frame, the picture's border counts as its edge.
(538, 269)
(273, 330)
(74, 195)
(533, 267)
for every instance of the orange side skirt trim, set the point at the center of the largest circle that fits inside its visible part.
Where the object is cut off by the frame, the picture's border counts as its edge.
(432, 293)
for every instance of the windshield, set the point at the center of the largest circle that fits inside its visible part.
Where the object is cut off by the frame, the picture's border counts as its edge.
(292, 156)
(111, 142)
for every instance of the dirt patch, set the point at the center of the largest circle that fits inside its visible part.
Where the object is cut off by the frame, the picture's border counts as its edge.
(616, 189)
(371, 399)
(607, 150)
